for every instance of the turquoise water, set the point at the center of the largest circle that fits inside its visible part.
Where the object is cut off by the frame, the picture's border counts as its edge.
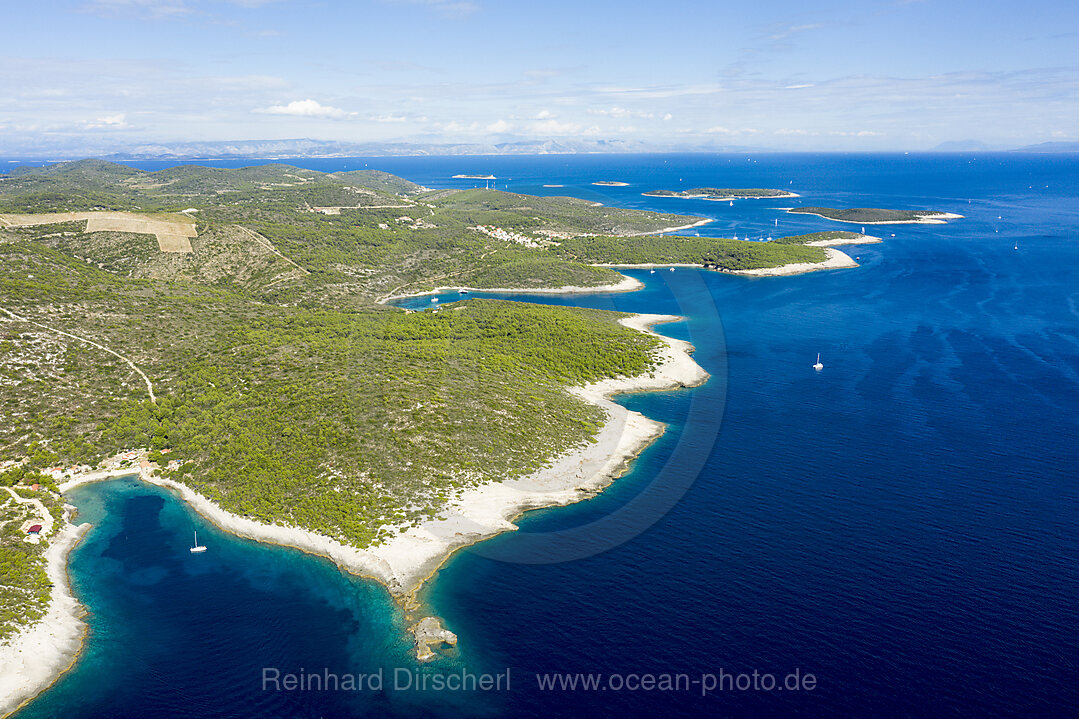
(901, 524)
(173, 633)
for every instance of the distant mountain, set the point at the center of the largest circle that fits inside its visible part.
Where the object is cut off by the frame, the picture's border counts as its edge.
(1051, 147)
(270, 149)
(962, 146)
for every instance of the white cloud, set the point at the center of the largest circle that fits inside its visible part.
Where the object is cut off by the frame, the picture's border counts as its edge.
(448, 8)
(668, 116)
(793, 30)
(545, 73)
(117, 121)
(720, 130)
(304, 108)
(388, 117)
(620, 113)
(458, 127)
(151, 8)
(499, 126)
(159, 8)
(798, 87)
(659, 93)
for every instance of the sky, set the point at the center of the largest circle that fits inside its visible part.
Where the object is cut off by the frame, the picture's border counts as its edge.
(779, 74)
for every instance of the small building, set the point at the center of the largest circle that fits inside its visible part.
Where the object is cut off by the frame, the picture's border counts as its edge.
(34, 530)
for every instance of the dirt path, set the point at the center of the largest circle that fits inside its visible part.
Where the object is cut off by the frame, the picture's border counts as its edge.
(42, 510)
(149, 385)
(266, 243)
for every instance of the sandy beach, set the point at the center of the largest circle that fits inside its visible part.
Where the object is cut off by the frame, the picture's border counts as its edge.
(31, 660)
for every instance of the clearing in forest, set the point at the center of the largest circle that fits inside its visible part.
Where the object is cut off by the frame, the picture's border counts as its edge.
(173, 233)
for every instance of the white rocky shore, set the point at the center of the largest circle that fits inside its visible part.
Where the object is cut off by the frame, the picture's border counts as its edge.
(480, 512)
(936, 218)
(626, 284)
(31, 660)
(836, 260)
(411, 557)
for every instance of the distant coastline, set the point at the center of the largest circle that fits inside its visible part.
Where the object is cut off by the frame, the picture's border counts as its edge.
(904, 217)
(836, 260)
(722, 195)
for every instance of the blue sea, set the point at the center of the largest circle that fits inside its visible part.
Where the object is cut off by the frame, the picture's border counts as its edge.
(901, 526)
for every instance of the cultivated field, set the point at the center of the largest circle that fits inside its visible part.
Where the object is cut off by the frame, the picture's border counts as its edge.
(173, 233)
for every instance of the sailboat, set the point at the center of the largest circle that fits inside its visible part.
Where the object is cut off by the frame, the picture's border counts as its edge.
(197, 548)
(818, 366)
(1017, 244)
(732, 203)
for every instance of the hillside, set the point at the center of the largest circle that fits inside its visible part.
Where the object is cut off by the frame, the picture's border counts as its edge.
(289, 392)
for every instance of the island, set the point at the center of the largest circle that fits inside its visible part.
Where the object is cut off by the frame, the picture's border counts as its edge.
(474, 177)
(877, 216)
(721, 193)
(611, 183)
(796, 254)
(216, 332)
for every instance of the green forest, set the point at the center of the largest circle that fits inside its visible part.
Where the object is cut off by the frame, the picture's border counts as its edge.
(285, 389)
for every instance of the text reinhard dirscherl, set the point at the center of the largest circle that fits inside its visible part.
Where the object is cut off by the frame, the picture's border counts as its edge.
(405, 679)
(402, 679)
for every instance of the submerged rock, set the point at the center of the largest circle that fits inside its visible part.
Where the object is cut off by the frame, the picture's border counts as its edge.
(429, 633)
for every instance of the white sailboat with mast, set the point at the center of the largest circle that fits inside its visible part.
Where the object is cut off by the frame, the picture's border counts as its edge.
(197, 548)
